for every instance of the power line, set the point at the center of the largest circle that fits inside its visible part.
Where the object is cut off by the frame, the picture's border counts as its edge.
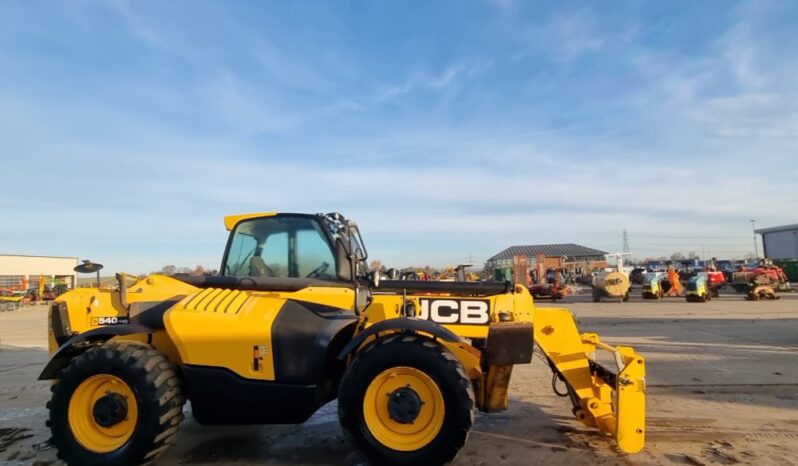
(692, 236)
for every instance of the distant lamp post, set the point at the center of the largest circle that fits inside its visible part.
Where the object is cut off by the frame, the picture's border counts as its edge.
(756, 248)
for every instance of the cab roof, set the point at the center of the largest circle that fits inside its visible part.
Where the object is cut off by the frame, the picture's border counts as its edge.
(230, 221)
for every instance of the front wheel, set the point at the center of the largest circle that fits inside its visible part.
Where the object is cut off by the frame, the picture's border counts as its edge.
(118, 404)
(405, 400)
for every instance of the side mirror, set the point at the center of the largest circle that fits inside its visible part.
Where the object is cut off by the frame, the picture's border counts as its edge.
(343, 265)
(374, 279)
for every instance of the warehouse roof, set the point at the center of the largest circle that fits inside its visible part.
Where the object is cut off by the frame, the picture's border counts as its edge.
(38, 257)
(794, 226)
(548, 250)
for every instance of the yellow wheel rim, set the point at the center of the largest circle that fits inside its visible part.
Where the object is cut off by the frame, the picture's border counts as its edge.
(398, 435)
(82, 422)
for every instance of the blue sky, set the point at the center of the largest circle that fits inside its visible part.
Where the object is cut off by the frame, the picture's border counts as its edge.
(446, 129)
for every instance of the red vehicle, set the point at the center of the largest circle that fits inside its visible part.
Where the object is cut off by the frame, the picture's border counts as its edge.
(762, 281)
(545, 290)
(715, 281)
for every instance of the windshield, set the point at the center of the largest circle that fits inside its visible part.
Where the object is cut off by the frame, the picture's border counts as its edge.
(283, 247)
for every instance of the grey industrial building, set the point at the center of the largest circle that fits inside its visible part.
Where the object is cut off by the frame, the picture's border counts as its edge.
(780, 242)
(21, 271)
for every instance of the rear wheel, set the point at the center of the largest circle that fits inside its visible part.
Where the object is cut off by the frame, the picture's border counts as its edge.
(116, 404)
(406, 400)
(596, 295)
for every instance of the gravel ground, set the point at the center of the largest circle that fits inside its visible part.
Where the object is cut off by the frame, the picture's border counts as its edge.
(722, 389)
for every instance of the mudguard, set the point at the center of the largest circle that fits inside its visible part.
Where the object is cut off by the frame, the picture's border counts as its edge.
(72, 347)
(400, 324)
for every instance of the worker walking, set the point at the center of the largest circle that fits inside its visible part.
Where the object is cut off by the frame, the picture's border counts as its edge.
(676, 285)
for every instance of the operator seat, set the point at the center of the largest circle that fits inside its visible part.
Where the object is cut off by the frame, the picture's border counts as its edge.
(258, 268)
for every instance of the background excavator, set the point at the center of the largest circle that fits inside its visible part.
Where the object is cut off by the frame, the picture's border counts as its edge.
(295, 320)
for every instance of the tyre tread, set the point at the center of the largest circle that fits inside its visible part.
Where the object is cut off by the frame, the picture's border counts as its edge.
(161, 386)
(450, 364)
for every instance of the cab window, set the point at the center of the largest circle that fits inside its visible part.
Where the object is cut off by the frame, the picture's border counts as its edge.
(283, 247)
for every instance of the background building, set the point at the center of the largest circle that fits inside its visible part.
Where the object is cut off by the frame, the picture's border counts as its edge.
(18, 271)
(780, 242)
(571, 257)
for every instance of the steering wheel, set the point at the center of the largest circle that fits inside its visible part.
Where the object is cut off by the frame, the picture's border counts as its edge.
(318, 270)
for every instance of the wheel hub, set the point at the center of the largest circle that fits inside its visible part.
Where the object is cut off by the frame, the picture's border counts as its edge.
(109, 410)
(404, 405)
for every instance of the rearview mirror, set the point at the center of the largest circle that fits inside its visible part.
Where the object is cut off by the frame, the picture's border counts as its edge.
(374, 279)
(343, 266)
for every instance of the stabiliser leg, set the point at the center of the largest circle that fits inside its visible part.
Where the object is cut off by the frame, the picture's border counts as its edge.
(613, 402)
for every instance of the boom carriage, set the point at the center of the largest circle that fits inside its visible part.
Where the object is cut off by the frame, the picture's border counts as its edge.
(293, 322)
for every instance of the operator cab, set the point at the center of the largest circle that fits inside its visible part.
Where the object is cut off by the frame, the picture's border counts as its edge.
(323, 247)
(280, 247)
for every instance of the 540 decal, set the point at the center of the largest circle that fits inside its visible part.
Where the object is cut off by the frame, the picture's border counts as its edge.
(110, 320)
(455, 311)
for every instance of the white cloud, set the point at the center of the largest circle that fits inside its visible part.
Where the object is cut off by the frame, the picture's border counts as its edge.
(454, 73)
(750, 116)
(564, 36)
(148, 190)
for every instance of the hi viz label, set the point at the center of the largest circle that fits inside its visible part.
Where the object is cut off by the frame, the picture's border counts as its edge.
(455, 311)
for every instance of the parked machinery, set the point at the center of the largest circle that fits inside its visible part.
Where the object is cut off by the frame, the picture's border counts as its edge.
(551, 286)
(716, 280)
(553, 291)
(653, 285)
(761, 282)
(611, 285)
(9, 300)
(283, 331)
(698, 288)
(636, 275)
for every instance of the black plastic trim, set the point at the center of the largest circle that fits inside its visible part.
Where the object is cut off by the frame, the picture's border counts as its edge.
(150, 313)
(301, 337)
(221, 397)
(400, 324)
(258, 283)
(59, 322)
(509, 343)
(69, 350)
(458, 288)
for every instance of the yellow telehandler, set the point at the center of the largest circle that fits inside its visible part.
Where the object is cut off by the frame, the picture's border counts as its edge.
(294, 320)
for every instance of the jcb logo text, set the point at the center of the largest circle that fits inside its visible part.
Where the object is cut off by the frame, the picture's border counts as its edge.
(455, 311)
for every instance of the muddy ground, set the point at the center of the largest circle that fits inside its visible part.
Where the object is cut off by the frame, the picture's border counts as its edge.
(722, 389)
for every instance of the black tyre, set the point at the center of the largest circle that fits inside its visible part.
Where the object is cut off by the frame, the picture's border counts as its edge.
(117, 404)
(625, 297)
(405, 400)
(596, 295)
